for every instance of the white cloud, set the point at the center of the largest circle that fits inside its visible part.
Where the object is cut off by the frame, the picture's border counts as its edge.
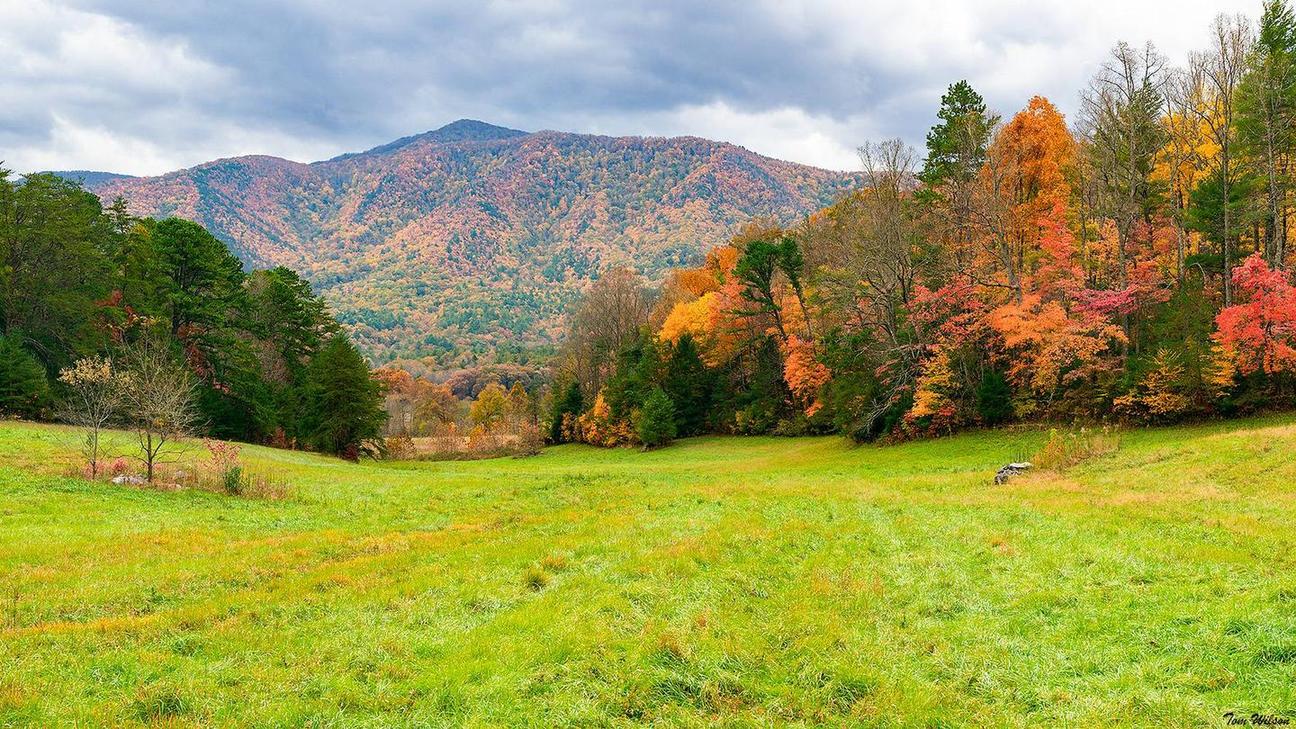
(784, 133)
(70, 146)
(140, 87)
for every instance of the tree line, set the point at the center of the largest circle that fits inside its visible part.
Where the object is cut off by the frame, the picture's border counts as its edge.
(427, 419)
(1133, 264)
(109, 319)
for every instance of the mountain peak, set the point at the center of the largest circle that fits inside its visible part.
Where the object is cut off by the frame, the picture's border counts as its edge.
(472, 130)
(462, 130)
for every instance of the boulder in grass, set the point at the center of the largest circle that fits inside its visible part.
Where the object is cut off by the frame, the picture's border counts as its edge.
(127, 480)
(1010, 470)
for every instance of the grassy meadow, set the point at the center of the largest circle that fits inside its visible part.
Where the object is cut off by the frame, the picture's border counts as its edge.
(730, 581)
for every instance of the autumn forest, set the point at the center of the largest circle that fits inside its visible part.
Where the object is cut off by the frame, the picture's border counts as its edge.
(1127, 265)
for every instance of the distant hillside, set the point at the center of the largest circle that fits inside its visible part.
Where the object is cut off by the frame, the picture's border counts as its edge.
(90, 178)
(474, 237)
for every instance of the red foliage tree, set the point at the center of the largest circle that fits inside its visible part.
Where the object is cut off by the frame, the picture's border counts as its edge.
(1259, 334)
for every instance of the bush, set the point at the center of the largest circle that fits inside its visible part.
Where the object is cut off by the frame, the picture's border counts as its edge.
(230, 476)
(232, 481)
(400, 447)
(601, 428)
(529, 441)
(1064, 450)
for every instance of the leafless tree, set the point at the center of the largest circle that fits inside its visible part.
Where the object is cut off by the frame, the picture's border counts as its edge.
(159, 395)
(861, 257)
(1213, 77)
(1121, 115)
(884, 247)
(94, 394)
(1180, 154)
(608, 318)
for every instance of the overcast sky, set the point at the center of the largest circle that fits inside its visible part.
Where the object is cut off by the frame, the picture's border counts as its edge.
(143, 86)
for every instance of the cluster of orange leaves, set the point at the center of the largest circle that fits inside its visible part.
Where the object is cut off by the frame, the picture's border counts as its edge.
(598, 427)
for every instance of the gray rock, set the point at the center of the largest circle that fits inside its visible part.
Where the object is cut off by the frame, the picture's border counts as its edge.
(1010, 470)
(129, 480)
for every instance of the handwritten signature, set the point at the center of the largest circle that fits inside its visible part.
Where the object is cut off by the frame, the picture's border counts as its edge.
(1232, 718)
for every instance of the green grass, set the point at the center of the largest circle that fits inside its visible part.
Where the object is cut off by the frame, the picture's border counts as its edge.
(750, 581)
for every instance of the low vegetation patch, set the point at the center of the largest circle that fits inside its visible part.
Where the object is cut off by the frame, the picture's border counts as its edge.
(1063, 450)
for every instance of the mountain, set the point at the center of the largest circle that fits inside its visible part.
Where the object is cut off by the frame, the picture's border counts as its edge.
(90, 178)
(471, 239)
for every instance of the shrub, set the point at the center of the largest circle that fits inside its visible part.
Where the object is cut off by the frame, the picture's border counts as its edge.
(601, 428)
(232, 481)
(1063, 450)
(230, 476)
(119, 466)
(400, 447)
(1158, 396)
(529, 440)
(483, 442)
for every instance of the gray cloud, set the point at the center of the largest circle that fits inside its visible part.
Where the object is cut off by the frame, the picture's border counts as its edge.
(140, 86)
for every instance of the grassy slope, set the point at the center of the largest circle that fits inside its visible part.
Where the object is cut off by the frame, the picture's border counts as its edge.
(732, 580)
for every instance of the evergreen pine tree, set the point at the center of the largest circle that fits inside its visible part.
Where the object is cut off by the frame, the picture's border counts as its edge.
(656, 422)
(994, 398)
(568, 403)
(24, 389)
(1266, 115)
(688, 384)
(956, 146)
(344, 404)
(639, 368)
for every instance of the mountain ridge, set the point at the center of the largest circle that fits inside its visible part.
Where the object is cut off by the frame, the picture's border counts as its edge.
(471, 239)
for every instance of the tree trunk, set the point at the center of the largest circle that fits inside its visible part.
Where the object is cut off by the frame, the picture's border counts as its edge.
(1227, 247)
(148, 458)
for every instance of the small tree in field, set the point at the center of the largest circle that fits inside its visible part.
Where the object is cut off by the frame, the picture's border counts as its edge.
(158, 399)
(94, 395)
(343, 401)
(656, 423)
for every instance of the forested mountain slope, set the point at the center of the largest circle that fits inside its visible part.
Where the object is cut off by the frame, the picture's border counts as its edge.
(473, 237)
